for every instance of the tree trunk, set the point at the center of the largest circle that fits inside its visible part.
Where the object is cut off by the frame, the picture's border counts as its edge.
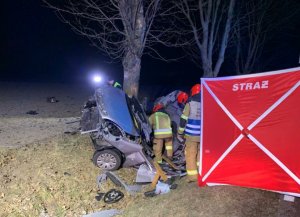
(131, 67)
(208, 74)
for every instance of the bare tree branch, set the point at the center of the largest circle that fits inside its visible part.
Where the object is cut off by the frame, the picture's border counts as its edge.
(210, 24)
(122, 29)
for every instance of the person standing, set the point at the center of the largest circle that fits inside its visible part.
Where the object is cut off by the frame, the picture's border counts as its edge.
(161, 125)
(189, 128)
(114, 83)
(174, 110)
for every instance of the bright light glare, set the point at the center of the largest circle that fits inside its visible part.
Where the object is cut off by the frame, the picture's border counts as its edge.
(97, 78)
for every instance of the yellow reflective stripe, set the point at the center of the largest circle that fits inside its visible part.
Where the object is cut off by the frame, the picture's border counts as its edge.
(163, 130)
(156, 120)
(180, 129)
(159, 161)
(163, 133)
(169, 147)
(160, 114)
(184, 117)
(192, 172)
(158, 131)
(117, 84)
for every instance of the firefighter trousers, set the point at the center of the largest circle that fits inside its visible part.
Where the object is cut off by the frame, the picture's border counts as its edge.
(192, 158)
(158, 144)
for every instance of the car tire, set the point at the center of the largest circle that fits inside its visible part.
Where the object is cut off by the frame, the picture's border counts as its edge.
(108, 159)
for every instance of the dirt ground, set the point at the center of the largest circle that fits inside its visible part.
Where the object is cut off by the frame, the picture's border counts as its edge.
(46, 172)
(16, 99)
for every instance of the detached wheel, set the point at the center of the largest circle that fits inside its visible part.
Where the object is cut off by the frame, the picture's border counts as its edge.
(108, 159)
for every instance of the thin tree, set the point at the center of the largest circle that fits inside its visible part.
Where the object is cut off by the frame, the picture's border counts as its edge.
(255, 27)
(209, 23)
(122, 29)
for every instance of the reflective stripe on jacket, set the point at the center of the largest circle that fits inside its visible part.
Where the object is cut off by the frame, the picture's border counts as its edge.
(161, 124)
(193, 126)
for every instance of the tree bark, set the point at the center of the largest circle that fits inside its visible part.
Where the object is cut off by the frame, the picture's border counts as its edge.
(120, 28)
(225, 37)
(131, 66)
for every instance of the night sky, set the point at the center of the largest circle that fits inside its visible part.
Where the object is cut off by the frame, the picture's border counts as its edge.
(37, 46)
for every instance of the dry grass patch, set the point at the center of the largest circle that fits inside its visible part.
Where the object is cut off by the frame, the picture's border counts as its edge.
(55, 177)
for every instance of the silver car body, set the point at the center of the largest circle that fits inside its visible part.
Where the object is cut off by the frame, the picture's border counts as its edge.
(114, 120)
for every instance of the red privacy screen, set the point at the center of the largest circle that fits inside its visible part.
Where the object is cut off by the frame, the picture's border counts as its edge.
(251, 131)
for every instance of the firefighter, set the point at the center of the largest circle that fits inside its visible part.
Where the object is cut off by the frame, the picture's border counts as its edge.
(161, 125)
(182, 98)
(189, 127)
(174, 110)
(174, 104)
(114, 83)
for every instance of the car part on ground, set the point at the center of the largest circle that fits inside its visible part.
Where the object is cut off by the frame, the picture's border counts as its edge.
(113, 196)
(161, 188)
(99, 196)
(104, 213)
(51, 99)
(144, 174)
(32, 112)
(101, 179)
(131, 189)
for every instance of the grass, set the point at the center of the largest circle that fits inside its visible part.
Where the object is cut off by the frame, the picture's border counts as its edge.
(57, 178)
(54, 176)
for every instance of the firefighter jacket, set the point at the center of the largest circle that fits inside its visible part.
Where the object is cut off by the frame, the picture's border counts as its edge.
(190, 120)
(161, 124)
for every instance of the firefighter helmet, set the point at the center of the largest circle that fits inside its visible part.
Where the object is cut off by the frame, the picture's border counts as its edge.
(195, 89)
(157, 107)
(182, 97)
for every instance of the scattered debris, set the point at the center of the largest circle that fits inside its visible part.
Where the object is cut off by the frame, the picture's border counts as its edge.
(173, 186)
(131, 189)
(52, 99)
(67, 174)
(113, 196)
(70, 132)
(150, 193)
(74, 121)
(101, 179)
(144, 174)
(104, 213)
(44, 213)
(99, 196)
(289, 198)
(162, 188)
(31, 112)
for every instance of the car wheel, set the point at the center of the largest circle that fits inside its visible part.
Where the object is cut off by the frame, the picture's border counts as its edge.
(108, 159)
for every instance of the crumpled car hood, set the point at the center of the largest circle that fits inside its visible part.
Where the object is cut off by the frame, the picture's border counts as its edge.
(113, 106)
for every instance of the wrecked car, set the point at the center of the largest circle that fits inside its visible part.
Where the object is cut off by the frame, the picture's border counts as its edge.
(119, 129)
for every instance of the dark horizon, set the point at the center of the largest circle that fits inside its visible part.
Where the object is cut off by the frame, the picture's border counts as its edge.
(38, 47)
